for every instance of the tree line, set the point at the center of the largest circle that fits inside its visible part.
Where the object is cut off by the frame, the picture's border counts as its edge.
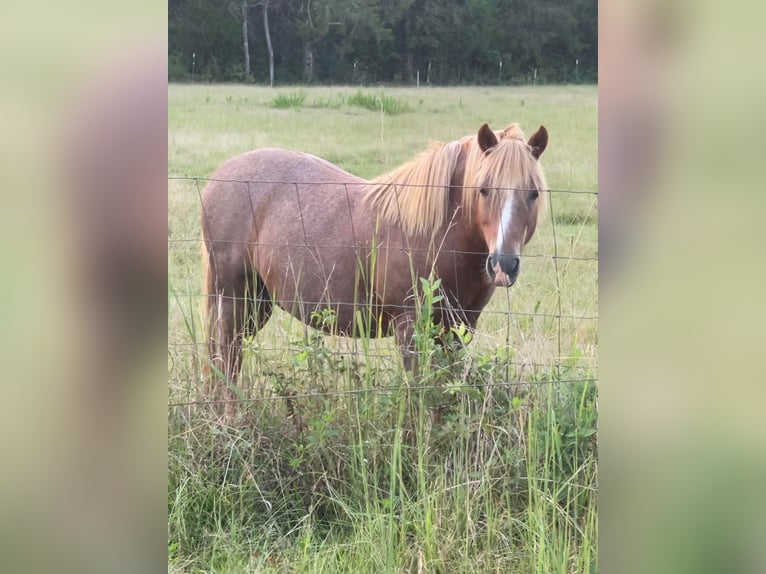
(439, 42)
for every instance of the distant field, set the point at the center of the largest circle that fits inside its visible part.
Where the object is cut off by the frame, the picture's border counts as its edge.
(472, 475)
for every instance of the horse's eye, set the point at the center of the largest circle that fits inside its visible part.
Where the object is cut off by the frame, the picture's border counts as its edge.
(534, 195)
(484, 192)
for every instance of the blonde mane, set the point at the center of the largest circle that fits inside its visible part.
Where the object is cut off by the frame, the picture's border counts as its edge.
(416, 194)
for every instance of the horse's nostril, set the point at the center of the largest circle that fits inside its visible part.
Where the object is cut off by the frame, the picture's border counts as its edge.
(507, 264)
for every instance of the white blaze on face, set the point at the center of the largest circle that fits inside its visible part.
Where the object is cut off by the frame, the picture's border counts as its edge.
(505, 222)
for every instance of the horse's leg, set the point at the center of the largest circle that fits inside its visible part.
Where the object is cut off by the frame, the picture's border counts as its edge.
(228, 314)
(251, 309)
(404, 331)
(260, 312)
(242, 307)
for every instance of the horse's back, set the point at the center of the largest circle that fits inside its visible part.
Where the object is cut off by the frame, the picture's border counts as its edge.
(285, 212)
(240, 184)
(278, 165)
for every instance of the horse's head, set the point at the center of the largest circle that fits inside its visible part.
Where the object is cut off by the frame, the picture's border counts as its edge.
(504, 188)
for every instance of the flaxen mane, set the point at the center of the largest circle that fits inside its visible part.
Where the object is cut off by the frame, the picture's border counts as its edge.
(416, 194)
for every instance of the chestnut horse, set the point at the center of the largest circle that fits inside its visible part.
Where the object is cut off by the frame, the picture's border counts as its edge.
(288, 228)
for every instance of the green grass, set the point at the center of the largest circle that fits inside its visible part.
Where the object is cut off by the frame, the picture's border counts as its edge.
(456, 472)
(291, 100)
(380, 102)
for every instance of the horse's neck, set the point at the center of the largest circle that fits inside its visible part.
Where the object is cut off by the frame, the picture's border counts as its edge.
(460, 225)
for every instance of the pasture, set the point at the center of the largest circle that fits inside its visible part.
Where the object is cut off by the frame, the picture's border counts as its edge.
(338, 461)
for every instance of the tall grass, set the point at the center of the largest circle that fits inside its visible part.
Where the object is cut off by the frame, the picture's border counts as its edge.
(291, 100)
(339, 461)
(377, 102)
(449, 470)
(380, 102)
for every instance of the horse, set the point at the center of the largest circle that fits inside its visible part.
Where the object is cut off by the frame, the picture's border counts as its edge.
(288, 228)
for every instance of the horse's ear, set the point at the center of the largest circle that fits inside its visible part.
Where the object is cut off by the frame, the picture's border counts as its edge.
(486, 138)
(538, 142)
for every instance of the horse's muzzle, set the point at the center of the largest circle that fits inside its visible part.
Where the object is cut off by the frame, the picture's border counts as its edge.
(503, 270)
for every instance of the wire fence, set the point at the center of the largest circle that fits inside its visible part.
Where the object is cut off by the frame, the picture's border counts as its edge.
(345, 392)
(512, 320)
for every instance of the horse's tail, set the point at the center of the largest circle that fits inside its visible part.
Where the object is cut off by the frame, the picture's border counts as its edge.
(206, 305)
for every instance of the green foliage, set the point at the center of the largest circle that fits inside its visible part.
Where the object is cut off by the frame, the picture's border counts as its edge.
(178, 71)
(291, 100)
(380, 102)
(362, 42)
(440, 477)
(332, 103)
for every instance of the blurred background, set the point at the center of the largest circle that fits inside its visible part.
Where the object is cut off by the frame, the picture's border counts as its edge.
(681, 429)
(83, 105)
(681, 437)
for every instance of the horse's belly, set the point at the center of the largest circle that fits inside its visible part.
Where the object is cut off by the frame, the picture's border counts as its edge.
(348, 320)
(324, 287)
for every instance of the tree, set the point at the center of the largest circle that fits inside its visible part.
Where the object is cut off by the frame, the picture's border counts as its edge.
(450, 41)
(340, 31)
(267, 33)
(313, 23)
(240, 11)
